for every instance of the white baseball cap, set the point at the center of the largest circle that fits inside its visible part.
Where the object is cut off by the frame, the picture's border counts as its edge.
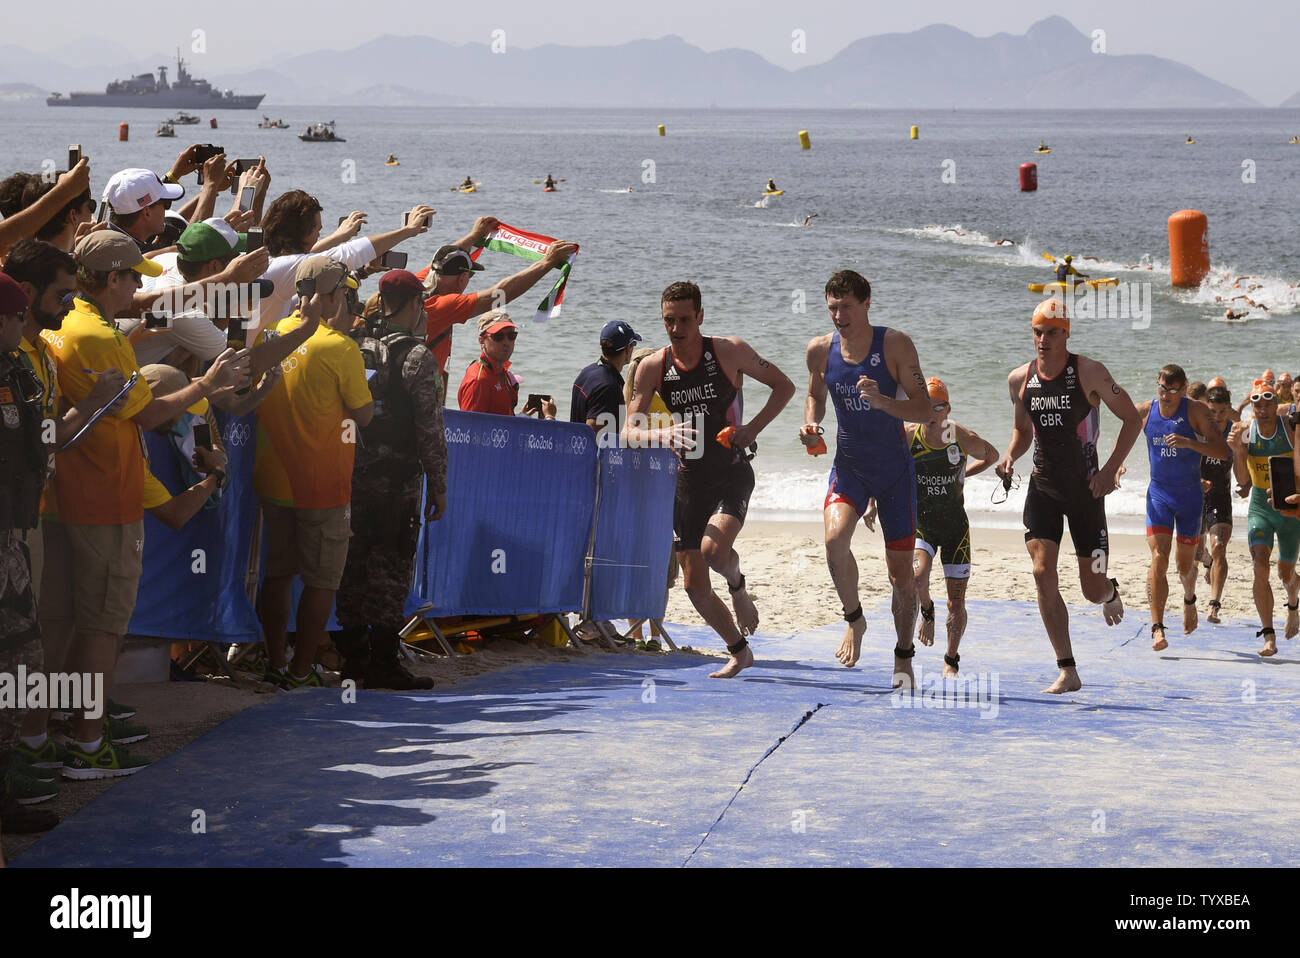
(129, 191)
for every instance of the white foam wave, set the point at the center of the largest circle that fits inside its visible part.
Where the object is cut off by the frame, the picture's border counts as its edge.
(955, 233)
(1254, 295)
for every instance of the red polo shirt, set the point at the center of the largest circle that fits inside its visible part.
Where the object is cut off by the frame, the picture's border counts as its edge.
(488, 388)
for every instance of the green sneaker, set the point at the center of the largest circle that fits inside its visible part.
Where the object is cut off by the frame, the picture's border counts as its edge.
(652, 645)
(105, 762)
(119, 711)
(277, 677)
(31, 771)
(314, 680)
(49, 755)
(124, 733)
(25, 790)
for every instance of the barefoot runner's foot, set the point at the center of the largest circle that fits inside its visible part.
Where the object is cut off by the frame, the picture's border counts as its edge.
(742, 657)
(903, 677)
(851, 648)
(1270, 642)
(1067, 681)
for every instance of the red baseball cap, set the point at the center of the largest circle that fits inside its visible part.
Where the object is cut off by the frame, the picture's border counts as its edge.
(400, 284)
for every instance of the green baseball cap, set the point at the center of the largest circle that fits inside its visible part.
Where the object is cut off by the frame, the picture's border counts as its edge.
(212, 239)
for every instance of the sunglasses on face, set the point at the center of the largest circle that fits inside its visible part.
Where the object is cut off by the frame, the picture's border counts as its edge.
(1163, 389)
(504, 334)
(1265, 396)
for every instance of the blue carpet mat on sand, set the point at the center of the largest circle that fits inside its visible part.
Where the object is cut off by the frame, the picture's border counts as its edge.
(1179, 758)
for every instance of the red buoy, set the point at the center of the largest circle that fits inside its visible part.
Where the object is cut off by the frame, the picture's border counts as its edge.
(212, 122)
(123, 131)
(1189, 247)
(1028, 177)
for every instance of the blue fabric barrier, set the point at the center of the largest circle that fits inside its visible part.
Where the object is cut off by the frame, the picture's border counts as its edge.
(175, 599)
(520, 503)
(634, 534)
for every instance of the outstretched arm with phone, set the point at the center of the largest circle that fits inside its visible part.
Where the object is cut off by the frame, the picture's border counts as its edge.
(25, 223)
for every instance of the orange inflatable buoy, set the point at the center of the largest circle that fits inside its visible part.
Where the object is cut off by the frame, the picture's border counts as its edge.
(1189, 247)
(1028, 177)
(123, 131)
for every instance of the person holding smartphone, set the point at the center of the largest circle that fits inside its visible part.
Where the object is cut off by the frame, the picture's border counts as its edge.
(1173, 427)
(489, 385)
(1253, 443)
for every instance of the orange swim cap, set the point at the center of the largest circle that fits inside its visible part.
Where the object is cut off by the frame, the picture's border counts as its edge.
(1052, 312)
(937, 390)
(1268, 375)
(1216, 381)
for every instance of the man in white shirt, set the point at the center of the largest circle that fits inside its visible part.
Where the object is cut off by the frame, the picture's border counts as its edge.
(292, 227)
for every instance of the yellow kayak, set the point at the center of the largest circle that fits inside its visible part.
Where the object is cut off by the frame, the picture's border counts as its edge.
(469, 189)
(1043, 151)
(1056, 287)
(1294, 139)
(392, 163)
(774, 192)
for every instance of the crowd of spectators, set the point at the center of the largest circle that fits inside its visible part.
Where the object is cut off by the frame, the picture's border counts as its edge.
(164, 314)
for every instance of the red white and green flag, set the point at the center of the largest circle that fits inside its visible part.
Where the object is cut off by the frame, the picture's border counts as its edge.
(530, 246)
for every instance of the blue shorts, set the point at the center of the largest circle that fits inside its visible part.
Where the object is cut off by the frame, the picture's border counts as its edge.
(895, 502)
(1170, 507)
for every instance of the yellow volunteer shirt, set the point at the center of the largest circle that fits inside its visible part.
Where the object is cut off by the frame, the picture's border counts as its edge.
(100, 481)
(304, 416)
(155, 493)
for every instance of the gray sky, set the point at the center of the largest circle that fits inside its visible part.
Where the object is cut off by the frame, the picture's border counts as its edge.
(1251, 48)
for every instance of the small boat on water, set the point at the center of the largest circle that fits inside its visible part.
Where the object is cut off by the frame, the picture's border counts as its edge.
(184, 119)
(165, 129)
(267, 124)
(321, 133)
(1294, 139)
(392, 161)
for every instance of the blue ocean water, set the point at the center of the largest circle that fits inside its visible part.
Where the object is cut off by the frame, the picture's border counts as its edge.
(918, 218)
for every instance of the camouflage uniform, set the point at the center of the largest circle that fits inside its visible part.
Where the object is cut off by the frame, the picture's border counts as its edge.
(22, 477)
(403, 444)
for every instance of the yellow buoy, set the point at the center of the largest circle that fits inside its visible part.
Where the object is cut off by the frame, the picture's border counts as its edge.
(916, 132)
(662, 132)
(804, 142)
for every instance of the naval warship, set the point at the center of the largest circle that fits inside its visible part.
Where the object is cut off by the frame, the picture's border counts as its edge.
(186, 93)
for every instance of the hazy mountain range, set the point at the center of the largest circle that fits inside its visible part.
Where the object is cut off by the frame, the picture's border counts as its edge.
(1051, 66)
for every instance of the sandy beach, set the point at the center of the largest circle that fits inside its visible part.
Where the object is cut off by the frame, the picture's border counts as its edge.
(785, 567)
